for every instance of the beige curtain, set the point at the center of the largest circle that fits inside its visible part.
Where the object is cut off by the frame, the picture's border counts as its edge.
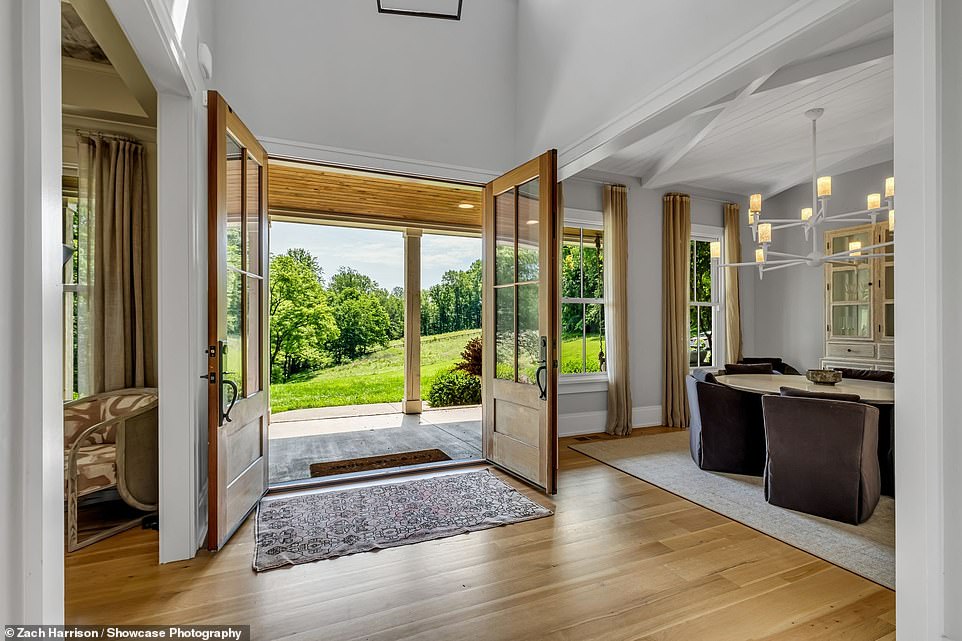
(676, 238)
(733, 314)
(115, 265)
(616, 308)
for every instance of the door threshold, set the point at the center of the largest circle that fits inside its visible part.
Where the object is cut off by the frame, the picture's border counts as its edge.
(371, 475)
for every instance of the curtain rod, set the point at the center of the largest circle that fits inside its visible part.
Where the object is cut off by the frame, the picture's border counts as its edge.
(103, 134)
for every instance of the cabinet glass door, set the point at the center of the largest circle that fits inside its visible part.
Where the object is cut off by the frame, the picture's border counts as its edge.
(887, 286)
(850, 284)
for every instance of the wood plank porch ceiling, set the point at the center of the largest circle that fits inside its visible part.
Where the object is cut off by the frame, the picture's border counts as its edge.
(301, 191)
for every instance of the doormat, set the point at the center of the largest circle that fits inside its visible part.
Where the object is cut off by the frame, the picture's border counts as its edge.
(323, 525)
(401, 459)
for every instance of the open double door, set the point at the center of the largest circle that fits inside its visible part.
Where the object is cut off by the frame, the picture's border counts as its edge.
(521, 235)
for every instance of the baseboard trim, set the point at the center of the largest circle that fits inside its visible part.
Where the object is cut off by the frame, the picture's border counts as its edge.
(647, 416)
(582, 423)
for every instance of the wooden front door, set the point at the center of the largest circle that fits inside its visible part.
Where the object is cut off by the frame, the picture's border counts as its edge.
(237, 301)
(520, 321)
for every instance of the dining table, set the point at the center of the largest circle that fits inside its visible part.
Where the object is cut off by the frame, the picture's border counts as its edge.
(872, 392)
(876, 393)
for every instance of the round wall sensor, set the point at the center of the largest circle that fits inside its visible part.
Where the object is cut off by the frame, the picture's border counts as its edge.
(205, 60)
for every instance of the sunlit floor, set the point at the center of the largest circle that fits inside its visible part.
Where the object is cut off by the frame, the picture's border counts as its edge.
(620, 559)
(303, 437)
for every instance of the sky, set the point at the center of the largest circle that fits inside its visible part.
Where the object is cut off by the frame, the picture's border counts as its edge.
(376, 253)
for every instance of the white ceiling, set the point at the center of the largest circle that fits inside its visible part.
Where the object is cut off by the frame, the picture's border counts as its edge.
(758, 140)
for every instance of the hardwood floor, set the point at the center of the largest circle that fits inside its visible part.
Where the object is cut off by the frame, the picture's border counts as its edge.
(621, 559)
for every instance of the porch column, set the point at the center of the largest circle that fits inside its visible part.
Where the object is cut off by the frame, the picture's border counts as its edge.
(412, 321)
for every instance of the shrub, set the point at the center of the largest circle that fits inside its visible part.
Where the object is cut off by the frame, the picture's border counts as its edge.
(471, 357)
(455, 387)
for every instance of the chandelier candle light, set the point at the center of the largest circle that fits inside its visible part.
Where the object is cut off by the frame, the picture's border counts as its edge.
(811, 220)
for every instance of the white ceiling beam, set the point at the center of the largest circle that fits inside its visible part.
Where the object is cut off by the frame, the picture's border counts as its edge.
(656, 179)
(800, 29)
(861, 56)
(857, 57)
(102, 25)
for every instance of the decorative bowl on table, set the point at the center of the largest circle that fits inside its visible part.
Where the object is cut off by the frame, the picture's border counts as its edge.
(823, 376)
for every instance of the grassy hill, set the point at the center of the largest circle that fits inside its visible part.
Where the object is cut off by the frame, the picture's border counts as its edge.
(375, 378)
(379, 376)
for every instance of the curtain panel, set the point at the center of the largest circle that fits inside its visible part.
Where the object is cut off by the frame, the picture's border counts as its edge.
(733, 315)
(615, 245)
(676, 239)
(115, 263)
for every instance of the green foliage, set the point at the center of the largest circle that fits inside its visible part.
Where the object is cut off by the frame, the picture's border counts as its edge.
(347, 278)
(301, 320)
(454, 304)
(700, 317)
(572, 256)
(472, 357)
(362, 324)
(455, 387)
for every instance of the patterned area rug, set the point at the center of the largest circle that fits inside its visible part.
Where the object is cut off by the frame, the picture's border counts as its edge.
(323, 525)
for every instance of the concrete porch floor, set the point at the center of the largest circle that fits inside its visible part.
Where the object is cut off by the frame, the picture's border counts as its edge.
(301, 437)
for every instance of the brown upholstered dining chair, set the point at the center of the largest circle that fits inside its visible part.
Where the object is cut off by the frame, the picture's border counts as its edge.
(822, 455)
(726, 433)
(776, 362)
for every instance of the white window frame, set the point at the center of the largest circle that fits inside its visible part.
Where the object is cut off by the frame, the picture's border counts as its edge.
(594, 381)
(712, 233)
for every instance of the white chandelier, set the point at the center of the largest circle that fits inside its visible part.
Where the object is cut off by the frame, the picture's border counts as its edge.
(811, 219)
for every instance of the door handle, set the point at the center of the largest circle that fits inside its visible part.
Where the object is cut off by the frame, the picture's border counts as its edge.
(543, 369)
(542, 385)
(233, 399)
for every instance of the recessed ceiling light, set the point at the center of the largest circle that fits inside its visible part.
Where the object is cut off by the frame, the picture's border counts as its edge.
(466, 206)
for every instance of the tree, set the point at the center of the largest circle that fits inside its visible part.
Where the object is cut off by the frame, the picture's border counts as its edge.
(301, 319)
(394, 306)
(454, 304)
(347, 278)
(362, 324)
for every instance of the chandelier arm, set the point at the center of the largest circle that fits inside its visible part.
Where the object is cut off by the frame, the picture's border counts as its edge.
(772, 252)
(853, 214)
(849, 252)
(782, 266)
(751, 264)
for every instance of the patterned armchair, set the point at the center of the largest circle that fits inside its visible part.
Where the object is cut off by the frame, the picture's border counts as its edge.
(110, 441)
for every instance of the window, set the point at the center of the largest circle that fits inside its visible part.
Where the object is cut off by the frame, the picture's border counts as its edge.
(583, 348)
(74, 296)
(706, 342)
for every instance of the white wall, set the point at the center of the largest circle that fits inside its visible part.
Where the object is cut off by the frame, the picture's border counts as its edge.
(31, 464)
(581, 64)
(789, 308)
(644, 299)
(11, 264)
(928, 313)
(336, 73)
(165, 35)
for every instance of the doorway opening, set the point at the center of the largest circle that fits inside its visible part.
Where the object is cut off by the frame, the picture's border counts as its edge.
(109, 197)
(375, 339)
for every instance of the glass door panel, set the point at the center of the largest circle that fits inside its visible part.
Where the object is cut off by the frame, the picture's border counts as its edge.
(851, 321)
(521, 319)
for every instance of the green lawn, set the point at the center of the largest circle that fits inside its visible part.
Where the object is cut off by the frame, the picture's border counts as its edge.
(571, 354)
(375, 378)
(379, 377)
